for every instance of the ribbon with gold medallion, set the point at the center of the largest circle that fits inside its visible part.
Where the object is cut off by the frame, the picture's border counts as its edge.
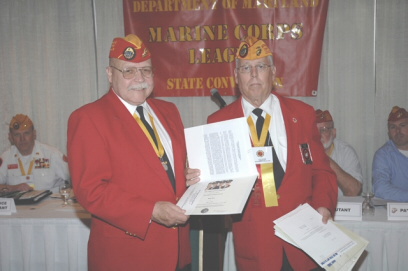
(267, 175)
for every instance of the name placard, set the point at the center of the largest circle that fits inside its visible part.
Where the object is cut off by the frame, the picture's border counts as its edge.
(397, 211)
(7, 206)
(348, 211)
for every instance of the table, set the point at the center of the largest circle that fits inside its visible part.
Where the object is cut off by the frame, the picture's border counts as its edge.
(45, 236)
(387, 248)
(388, 241)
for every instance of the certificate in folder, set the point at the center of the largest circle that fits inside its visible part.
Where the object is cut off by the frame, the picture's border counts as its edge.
(223, 153)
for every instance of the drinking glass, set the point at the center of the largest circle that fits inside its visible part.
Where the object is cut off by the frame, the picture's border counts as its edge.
(65, 191)
(368, 206)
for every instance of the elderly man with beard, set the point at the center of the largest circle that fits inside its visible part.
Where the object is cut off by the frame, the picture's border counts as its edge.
(127, 157)
(343, 158)
(390, 164)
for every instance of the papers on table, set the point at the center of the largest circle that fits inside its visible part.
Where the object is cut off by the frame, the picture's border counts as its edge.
(7, 206)
(223, 153)
(331, 245)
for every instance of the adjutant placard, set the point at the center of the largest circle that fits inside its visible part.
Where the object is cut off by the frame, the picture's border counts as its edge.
(348, 211)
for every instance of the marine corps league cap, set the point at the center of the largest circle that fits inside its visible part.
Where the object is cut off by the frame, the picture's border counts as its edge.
(323, 116)
(252, 48)
(20, 121)
(130, 48)
(397, 113)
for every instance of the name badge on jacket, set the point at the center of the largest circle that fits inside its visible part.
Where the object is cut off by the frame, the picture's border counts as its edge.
(262, 155)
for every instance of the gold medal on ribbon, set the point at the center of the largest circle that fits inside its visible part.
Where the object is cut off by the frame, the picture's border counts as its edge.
(267, 175)
(159, 149)
(30, 169)
(164, 164)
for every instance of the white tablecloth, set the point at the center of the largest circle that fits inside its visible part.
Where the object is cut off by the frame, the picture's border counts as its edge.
(45, 236)
(388, 242)
(387, 249)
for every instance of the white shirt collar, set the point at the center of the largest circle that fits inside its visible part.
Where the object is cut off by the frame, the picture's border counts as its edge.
(277, 130)
(132, 108)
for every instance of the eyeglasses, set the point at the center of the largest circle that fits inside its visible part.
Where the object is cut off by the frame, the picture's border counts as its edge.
(248, 68)
(130, 73)
(325, 130)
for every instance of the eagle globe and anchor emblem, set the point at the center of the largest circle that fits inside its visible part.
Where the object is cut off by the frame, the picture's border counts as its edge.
(260, 153)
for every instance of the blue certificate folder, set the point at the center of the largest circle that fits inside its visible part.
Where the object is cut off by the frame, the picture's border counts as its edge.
(26, 197)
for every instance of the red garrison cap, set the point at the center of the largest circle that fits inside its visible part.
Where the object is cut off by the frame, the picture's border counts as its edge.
(397, 113)
(130, 48)
(323, 116)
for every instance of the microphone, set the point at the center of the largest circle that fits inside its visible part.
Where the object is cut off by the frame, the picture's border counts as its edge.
(217, 96)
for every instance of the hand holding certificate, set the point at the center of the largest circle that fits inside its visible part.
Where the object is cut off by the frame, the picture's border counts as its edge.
(223, 153)
(331, 245)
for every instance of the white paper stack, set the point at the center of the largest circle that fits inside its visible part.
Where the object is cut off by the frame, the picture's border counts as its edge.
(331, 245)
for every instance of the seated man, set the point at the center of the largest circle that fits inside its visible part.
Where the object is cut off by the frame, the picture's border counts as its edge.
(390, 164)
(28, 164)
(343, 158)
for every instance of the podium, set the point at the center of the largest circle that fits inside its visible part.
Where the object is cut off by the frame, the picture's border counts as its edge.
(213, 231)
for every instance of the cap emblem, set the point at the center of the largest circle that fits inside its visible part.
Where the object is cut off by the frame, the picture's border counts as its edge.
(129, 53)
(244, 51)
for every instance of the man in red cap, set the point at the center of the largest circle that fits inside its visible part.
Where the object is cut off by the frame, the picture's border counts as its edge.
(390, 164)
(343, 158)
(297, 172)
(127, 157)
(29, 164)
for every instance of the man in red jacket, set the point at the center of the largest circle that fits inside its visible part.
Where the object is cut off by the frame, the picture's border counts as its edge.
(298, 171)
(127, 156)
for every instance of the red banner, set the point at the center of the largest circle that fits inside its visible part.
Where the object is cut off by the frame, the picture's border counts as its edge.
(194, 42)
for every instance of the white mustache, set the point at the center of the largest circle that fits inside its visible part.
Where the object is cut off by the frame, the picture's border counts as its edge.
(139, 86)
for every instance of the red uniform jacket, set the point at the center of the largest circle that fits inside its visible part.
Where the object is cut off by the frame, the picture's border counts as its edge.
(256, 246)
(118, 178)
